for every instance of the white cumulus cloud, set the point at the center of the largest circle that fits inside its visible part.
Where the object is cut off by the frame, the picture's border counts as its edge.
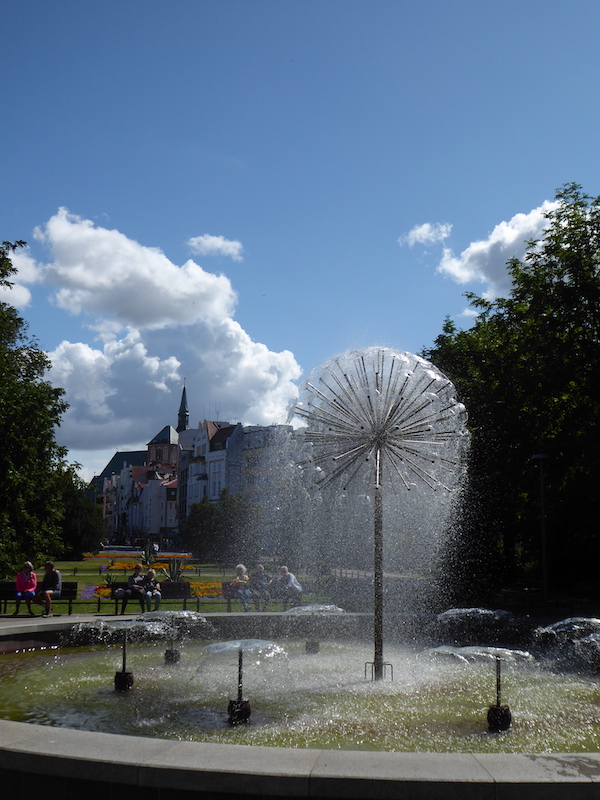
(207, 245)
(102, 272)
(27, 272)
(485, 260)
(427, 233)
(151, 325)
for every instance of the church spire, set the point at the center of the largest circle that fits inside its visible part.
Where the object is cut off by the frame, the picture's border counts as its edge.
(183, 417)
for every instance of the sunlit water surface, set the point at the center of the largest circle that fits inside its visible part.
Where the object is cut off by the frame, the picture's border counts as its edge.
(434, 703)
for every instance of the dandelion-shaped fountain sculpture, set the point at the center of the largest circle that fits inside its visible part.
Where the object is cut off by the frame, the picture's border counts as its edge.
(381, 412)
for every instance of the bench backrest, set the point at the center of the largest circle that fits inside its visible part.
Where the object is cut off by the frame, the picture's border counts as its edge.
(7, 589)
(174, 589)
(170, 590)
(69, 589)
(117, 585)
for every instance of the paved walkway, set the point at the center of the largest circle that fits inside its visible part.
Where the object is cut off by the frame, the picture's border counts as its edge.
(23, 626)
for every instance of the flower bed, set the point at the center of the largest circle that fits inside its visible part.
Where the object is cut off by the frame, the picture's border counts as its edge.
(197, 589)
(103, 590)
(123, 566)
(87, 556)
(205, 589)
(89, 592)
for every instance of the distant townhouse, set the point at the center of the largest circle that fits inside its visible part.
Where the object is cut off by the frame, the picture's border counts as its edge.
(152, 491)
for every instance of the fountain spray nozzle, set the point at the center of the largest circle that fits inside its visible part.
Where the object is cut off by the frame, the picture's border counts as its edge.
(499, 717)
(124, 679)
(238, 710)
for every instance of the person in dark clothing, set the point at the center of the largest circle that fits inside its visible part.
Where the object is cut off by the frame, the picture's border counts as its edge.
(50, 588)
(259, 586)
(135, 588)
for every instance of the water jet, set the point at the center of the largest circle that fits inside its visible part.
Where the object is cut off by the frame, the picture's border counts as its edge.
(378, 417)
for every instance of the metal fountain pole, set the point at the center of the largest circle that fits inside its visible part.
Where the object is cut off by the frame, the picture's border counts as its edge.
(240, 675)
(378, 575)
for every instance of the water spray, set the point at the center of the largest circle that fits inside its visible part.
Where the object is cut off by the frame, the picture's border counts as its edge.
(381, 411)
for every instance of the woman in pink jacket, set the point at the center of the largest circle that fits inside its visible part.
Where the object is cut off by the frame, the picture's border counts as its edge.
(25, 586)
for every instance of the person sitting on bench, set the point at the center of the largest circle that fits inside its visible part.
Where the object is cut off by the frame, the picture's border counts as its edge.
(152, 590)
(286, 587)
(239, 584)
(259, 586)
(25, 588)
(135, 588)
(50, 589)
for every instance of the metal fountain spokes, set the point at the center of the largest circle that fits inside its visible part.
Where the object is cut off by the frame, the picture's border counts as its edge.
(376, 407)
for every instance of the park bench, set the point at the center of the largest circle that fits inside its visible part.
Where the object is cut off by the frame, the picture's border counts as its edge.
(170, 591)
(67, 595)
(230, 594)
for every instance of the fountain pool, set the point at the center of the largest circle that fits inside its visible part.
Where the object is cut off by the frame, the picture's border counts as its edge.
(437, 700)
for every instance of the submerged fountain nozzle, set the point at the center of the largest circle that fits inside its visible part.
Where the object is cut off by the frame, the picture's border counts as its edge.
(379, 671)
(499, 717)
(124, 679)
(238, 710)
(172, 656)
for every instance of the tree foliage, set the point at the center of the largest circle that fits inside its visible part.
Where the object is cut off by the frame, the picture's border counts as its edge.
(527, 371)
(221, 532)
(81, 526)
(31, 506)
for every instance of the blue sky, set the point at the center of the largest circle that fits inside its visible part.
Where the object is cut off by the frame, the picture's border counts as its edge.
(230, 193)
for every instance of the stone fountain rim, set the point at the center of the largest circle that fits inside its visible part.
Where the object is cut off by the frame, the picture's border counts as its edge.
(27, 749)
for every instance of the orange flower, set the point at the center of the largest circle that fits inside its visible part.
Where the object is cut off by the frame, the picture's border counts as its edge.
(205, 589)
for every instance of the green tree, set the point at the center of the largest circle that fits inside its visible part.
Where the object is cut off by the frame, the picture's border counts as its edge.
(82, 525)
(200, 530)
(527, 372)
(30, 408)
(221, 531)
